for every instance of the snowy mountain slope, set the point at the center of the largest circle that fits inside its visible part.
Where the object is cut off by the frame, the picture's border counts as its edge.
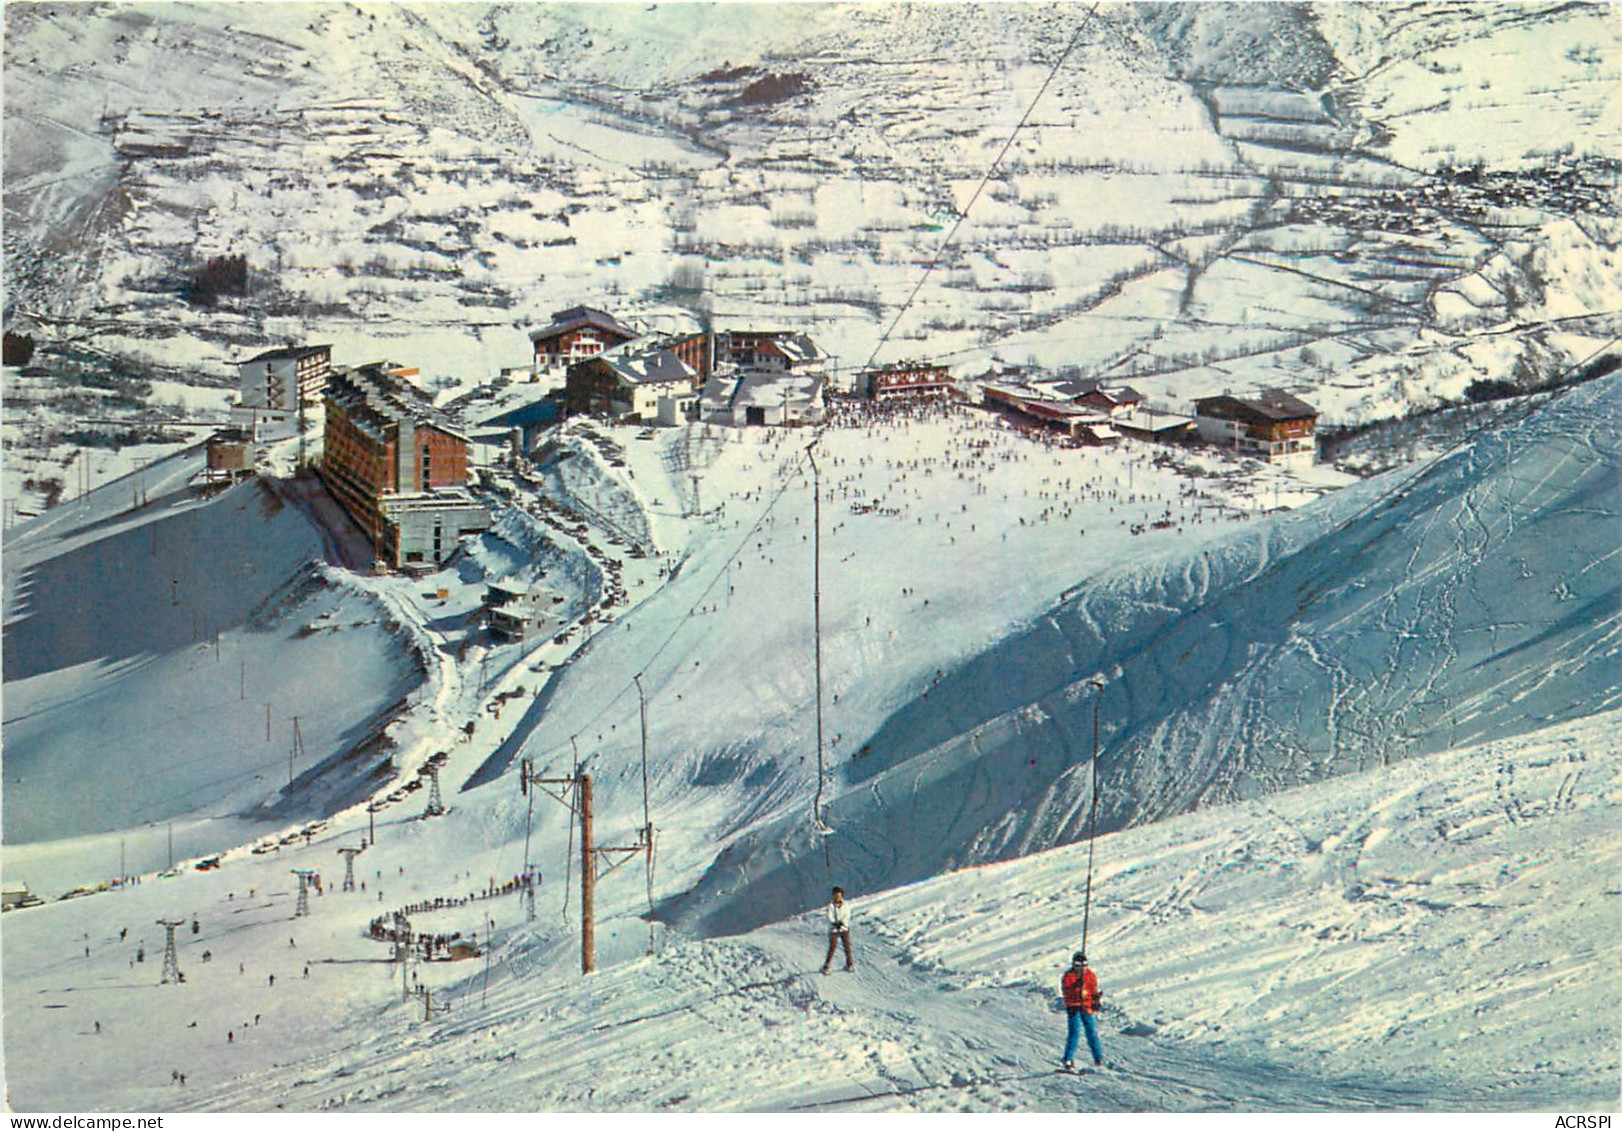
(910, 539)
(1369, 943)
(895, 1030)
(155, 658)
(1475, 600)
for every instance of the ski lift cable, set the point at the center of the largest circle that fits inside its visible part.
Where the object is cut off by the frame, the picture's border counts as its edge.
(1092, 818)
(940, 249)
(647, 811)
(819, 826)
(817, 821)
(568, 857)
(1098, 684)
(790, 475)
(793, 469)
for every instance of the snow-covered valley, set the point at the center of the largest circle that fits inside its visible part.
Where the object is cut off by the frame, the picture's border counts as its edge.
(1369, 205)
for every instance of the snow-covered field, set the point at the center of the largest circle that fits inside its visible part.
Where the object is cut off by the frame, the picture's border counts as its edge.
(1436, 936)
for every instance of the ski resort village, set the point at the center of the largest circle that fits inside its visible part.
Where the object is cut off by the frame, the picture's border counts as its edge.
(698, 558)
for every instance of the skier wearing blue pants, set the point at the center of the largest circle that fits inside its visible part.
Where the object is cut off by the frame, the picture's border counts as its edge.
(1081, 998)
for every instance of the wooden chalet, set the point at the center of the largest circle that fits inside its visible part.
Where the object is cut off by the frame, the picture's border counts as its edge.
(576, 333)
(904, 379)
(621, 383)
(1269, 424)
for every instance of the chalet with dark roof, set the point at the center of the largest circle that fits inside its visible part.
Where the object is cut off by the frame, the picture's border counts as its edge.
(576, 333)
(623, 382)
(1268, 424)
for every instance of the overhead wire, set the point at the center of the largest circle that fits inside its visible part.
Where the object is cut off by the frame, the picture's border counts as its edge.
(794, 469)
(963, 214)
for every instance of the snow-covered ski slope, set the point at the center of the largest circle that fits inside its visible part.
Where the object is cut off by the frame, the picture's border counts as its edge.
(1391, 713)
(155, 659)
(1474, 598)
(1437, 935)
(1303, 948)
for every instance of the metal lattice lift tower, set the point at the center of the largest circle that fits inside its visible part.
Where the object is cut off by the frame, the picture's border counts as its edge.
(349, 855)
(171, 960)
(303, 875)
(436, 807)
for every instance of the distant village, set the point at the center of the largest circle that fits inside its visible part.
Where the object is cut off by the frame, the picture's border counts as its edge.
(399, 464)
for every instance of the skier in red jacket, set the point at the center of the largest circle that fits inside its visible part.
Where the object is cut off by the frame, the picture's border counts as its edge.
(1081, 998)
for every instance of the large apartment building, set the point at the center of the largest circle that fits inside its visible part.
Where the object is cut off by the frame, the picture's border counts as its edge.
(398, 466)
(279, 379)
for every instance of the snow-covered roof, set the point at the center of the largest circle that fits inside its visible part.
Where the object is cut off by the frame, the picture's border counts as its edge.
(1274, 404)
(1073, 389)
(650, 367)
(1144, 420)
(797, 348)
(760, 390)
(374, 398)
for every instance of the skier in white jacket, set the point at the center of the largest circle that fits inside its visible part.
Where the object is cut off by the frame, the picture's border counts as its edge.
(838, 930)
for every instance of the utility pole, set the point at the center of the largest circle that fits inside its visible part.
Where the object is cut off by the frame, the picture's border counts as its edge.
(436, 807)
(296, 751)
(588, 881)
(303, 907)
(818, 813)
(371, 822)
(582, 808)
(429, 1010)
(489, 945)
(1092, 819)
(349, 855)
(647, 813)
(171, 846)
(527, 770)
(171, 960)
